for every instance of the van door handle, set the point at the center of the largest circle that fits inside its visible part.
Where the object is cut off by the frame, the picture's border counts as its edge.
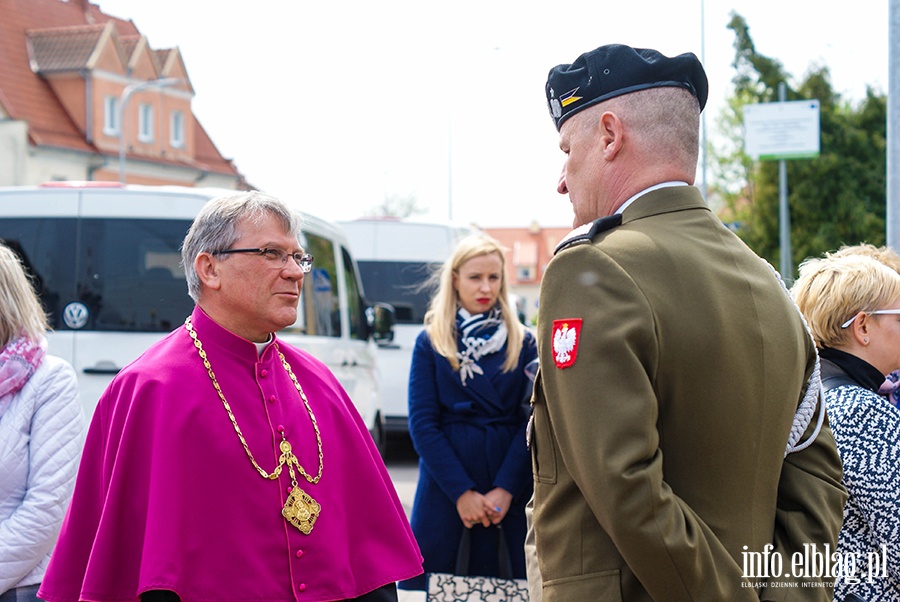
(103, 367)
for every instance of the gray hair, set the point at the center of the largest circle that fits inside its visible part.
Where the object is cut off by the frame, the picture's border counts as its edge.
(216, 227)
(20, 309)
(665, 120)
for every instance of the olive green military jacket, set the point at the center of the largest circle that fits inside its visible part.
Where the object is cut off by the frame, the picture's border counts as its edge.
(660, 426)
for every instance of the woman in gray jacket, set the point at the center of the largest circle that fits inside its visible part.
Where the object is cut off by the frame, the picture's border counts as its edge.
(41, 434)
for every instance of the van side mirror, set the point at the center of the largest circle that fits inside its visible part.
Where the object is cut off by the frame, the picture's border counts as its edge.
(381, 318)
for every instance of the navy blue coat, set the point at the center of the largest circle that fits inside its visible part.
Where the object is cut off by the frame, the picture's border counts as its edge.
(468, 437)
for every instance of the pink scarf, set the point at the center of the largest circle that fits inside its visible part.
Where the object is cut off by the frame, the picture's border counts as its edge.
(891, 388)
(18, 361)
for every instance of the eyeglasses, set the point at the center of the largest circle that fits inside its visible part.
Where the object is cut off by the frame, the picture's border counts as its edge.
(276, 258)
(877, 311)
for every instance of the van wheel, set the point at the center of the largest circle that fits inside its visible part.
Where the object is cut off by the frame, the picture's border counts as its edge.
(379, 436)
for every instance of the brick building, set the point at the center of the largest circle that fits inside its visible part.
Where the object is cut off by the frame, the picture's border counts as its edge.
(79, 87)
(529, 250)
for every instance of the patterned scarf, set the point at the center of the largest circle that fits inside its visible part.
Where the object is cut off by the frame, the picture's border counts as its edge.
(18, 361)
(479, 335)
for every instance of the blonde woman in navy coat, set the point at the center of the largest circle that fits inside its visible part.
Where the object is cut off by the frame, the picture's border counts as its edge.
(470, 381)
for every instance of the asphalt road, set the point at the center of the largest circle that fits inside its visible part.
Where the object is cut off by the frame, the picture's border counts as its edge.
(403, 466)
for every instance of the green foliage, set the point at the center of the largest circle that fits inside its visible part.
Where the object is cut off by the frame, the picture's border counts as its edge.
(732, 169)
(837, 198)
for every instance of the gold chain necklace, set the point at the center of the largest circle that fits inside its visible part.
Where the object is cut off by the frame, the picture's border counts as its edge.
(300, 509)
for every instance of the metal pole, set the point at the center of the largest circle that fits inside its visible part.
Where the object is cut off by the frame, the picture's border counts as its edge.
(784, 215)
(123, 100)
(893, 127)
(703, 185)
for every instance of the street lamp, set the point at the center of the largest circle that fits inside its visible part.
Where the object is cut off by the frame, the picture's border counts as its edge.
(123, 100)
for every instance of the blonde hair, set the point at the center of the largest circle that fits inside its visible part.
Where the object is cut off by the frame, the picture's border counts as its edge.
(20, 310)
(440, 319)
(885, 255)
(831, 290)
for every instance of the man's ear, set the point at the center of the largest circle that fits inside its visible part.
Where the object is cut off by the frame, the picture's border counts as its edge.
(611, 134)
(207, 270)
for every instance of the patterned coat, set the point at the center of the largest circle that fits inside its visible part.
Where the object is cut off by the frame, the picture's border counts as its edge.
(867, 431)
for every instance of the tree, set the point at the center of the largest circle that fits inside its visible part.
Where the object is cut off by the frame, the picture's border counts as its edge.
(837, 198)
(397, 205)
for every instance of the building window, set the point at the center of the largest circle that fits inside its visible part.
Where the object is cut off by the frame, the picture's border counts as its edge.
(111, 115)
(525, 259)
(145, 122)
(524, 273)
(176, 130)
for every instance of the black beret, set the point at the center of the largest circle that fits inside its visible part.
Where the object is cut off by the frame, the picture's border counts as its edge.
(616, 69)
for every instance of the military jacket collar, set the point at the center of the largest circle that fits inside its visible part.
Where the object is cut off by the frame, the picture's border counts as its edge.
(655, 202)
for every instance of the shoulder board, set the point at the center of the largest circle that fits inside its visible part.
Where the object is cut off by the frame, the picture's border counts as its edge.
(587, 232)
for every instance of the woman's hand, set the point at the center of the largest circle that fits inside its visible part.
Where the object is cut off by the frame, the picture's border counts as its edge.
(473, 509)
(499, 500)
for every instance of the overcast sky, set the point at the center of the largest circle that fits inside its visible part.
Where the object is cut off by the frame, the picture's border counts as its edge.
(335, 105)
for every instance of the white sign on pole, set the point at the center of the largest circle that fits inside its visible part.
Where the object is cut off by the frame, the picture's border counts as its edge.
(782, 130)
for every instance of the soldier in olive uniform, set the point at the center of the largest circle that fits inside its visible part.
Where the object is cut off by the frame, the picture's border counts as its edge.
(672, 367)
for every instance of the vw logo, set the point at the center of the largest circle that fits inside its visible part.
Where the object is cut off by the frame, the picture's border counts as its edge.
(75, 315)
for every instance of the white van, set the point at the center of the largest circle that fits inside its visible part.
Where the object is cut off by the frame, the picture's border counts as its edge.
(106, 262)
(395, 258)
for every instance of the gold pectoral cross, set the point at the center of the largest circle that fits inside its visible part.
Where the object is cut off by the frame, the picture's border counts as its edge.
(301, 510)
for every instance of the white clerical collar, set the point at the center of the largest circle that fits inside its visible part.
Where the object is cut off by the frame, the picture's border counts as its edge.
(260, 347)
(646, 190)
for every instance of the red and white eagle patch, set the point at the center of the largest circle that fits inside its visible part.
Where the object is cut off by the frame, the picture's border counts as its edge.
(566, 335)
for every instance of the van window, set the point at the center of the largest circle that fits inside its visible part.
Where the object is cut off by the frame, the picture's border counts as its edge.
(321, 303)
(47, 250)
(399, 283)
(355, 305)
(126, 272)
(132, 274)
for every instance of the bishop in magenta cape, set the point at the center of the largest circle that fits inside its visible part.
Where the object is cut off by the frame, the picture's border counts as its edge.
(166, 497)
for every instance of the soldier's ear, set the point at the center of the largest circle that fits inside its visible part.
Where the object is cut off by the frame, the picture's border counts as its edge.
(611, 135)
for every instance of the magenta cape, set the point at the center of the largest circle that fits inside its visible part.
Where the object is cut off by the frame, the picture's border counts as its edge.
(166, 497)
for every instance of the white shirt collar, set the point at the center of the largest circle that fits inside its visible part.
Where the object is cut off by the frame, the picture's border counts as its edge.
(585, 228)
(646, 190)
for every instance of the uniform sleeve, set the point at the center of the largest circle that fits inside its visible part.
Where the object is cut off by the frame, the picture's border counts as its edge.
(57, 434)
(673, 553)
(809, 509)
(515, 473)
(431, 444)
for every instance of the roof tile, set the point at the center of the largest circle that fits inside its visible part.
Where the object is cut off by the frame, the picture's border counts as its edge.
(62, 49)
(49, 36)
